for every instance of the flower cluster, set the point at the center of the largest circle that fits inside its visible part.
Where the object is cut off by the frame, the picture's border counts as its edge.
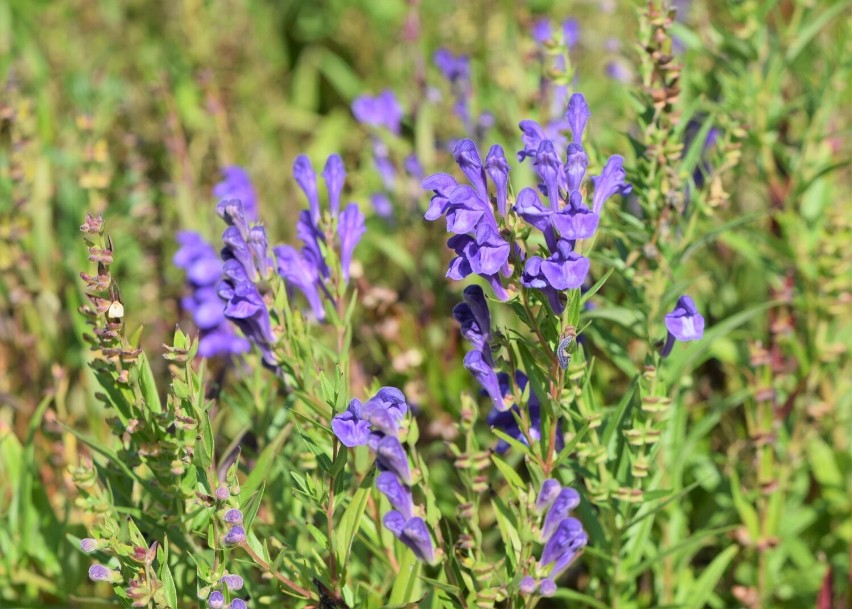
(478, 244)
(376, 423)
(563, 536)
(565, 218)
(475, 321)
(308, 269)
(246, 263)
(684, 323)
(203, 272)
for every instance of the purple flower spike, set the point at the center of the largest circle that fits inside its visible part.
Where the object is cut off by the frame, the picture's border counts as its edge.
(684, 323)
(233, 582)
(569, 536)
(527, 586)
(578, 114)
(550, 489)
(478, 365)
(610, 182)
(236, 184)
(498, 170)
(305, 176)
(235, 536)
(238, 603)
(350, 229)
(548, 166)
(100, 573)
(390, 456)
(547, 587)
(334, 174)
(468, 159)
(216, 600)
(416, 536)
(233, 517)
(566, 501)
(398, 495)
(349, 426)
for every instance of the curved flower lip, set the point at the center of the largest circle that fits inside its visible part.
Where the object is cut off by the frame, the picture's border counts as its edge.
(610, 182)
(464, 210)
(441, 183)
(467, 156)
(685, 322)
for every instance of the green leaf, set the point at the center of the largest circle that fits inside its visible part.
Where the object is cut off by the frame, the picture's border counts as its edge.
(349, 525)
(265, 461)
(509, 473)
(169, 588)
(148, 385)
(696, 595)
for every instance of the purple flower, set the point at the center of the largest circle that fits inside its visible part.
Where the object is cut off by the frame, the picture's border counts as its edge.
(571, 32)
(350, 229)
(99, 573)
(498, 170)
(578, 114)
(453, 67)
(368, 423)
(301, 272)
(563, 270)
(233, 582)
(238, 603)
(222, 493)
(684, 323)
(306, 178)
(246, 308)
(382, 205)
(334, 173)
(203, 271)
(532, 135)
(216, 600)
(483, 372)
(398, 495)
(565, 501)
(413, 167)
(550, 489)
(383, 110)
(390, 456)
(231, 211)
(550, 170)
(233, 517)
(475, 320)
(349, 426)
(610, 182)
(236, 184)
(413, 532)
(575, 221)
(562, 547)
(235, 536)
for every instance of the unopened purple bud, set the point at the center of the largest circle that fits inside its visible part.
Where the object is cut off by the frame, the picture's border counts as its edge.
(233, 517)
(398, 495)
(334, 174)
(550, 489)
(547, 587)
(89, 545)
(216, 600)
(527, 585)
(498, 170)
(566, 501)
(238, 603)
(234, 582)
(235, 536)
(222, 493)
(578, 113)
(99, 573)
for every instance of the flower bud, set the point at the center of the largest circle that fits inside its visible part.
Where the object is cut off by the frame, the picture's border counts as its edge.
(527, 586)
(235, 536)
(547, 587)
(238, 603)
(233, 517)
(216, 600)
(222, 493)
(89, 545)
(100, 573)
(233, 582)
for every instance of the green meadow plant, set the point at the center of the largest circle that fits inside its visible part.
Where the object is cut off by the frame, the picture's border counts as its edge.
(618, 379)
